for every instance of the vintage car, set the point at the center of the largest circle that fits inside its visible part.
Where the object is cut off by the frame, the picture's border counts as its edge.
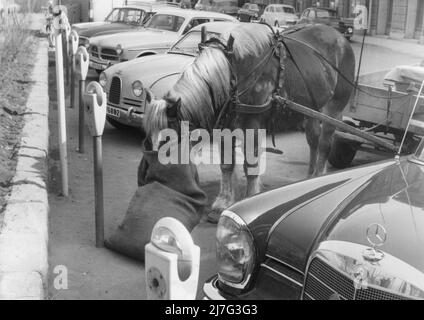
(224, 6)
(249, 12)
(279, 15)
(159, 34)
(330, 17)
(356, 234)
(125, 83)
(123, 18)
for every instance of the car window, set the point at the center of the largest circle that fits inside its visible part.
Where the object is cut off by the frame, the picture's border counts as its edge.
(312, 14)
(284, 9)
(194, 23)
(271, 9)
(254, 7)
(126, 15)
(190, 42)
(167, 22)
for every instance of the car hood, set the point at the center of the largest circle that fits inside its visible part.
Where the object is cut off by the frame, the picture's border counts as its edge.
(150, 69)
(92, 29)
(392, 197)
(138, 38)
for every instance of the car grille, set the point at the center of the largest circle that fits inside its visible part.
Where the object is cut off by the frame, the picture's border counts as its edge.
(115, 91)
(323, 282)
(109, 54)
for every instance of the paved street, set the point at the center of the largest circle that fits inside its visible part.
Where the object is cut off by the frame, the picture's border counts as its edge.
(101, 274)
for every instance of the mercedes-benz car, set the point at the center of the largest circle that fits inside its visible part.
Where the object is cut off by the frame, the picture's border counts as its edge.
(124, 18)
(159, 34)
(126, 83)
(357, 234)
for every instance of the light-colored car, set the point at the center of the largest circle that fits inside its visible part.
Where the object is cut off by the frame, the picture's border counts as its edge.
(123, 18)
(160, 32)
(280, 15)
(126, 83)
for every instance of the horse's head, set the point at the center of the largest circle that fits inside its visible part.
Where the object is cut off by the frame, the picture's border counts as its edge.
(160, 114)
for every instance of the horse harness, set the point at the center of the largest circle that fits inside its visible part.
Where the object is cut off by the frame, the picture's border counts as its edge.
(233, 105)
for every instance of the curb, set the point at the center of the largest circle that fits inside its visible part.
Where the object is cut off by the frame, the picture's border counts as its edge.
(24, 230)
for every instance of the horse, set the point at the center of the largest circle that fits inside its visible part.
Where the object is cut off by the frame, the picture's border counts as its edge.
(313, 66)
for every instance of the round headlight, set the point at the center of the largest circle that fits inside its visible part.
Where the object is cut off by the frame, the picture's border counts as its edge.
(137, 88)
(103, 79)
(119, 49)
(235, 251)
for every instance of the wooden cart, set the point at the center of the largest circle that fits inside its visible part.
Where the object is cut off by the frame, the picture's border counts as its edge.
(383, 112)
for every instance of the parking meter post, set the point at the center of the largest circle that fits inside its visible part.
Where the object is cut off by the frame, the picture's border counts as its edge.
(81, 118)
(98, 190)
(61, 111)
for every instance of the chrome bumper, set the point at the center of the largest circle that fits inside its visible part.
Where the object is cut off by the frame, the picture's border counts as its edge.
(211, 291)
(127, 117)
(100, 64)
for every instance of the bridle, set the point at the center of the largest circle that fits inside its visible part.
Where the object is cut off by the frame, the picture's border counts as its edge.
(233, 105)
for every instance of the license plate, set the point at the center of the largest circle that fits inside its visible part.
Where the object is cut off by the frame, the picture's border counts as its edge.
(97, 66)
(111, 111)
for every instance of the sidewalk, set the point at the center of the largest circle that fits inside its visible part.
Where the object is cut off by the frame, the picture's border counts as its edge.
(402, 46)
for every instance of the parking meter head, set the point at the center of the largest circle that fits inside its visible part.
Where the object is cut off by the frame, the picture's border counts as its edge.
(74, 39)
(95, 108)
(171, 236)
(82, 62)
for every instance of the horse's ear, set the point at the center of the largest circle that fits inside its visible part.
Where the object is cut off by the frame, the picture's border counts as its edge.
(174, 109)
(149, 96)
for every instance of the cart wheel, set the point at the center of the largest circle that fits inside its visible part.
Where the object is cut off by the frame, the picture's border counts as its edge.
(342, 153)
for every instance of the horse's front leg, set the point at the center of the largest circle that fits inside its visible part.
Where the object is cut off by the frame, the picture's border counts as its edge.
(227, 194)
(255, 144)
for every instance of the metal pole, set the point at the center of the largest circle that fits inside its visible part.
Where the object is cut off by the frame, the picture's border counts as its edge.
(360, 57)
(98, 191)
(61, 114)
(81, 120)
(73, 81)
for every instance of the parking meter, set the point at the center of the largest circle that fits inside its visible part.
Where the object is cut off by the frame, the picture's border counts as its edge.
(73, 48)
(95, 108)
(172, 262)
(73, 40)
(82, 61)
(95, 114)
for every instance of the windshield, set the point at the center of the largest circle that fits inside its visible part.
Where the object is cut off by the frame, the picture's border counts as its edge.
(284, 9)
(254, 7)
(190, 42)
(126, 15)
(167, 22)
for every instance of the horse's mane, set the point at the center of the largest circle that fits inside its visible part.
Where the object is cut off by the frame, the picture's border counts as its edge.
(204, 86)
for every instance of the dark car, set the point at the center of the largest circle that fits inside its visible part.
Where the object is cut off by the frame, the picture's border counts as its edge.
(120, 19)
(330, 17)
(357, 234)
(248, 12)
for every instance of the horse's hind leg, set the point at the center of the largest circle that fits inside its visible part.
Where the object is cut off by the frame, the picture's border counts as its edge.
(326, 139)
(313, 131)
